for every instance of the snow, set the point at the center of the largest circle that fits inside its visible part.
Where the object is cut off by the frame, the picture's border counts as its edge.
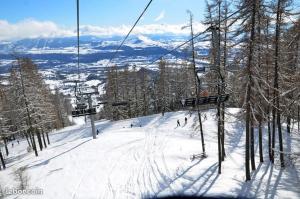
(5, 82)
(151, 160)
(146, 41)
(67, 50)
(53, 83)
(93, 82)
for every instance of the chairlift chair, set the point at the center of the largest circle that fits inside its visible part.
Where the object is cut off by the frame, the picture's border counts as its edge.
(212, 99)
(83, 112)
(122, 103)
(81, 104)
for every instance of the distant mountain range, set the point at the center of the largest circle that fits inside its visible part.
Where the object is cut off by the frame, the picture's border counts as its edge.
(57, 57)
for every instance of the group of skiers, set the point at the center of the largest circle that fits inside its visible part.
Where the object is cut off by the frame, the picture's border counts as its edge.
(185, 121)
(178, 124)
(12, 144)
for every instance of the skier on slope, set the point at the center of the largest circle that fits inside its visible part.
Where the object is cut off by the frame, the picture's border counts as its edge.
(178, 123)
(163, 112)
(185, 120)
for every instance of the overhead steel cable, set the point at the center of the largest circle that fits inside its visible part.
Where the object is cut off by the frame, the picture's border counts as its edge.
(78, 61)
(179, 46)
(116, 51)
(194, 37)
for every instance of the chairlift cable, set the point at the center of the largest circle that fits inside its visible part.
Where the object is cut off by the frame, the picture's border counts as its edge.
(194, 37)
(116, 51)
(78, 61)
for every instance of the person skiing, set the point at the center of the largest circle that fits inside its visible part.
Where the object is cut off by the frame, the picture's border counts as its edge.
(163, 112)
(185, 120)
(178, 123)
(97, 131)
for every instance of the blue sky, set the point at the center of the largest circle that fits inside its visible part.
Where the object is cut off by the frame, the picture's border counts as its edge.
(100, 12)
(57, 18)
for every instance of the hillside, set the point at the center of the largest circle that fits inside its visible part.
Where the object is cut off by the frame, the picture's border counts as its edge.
(56, 57)
(150, 159)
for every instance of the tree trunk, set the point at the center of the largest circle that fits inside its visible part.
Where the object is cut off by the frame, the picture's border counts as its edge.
(248, 94)
(33, 142)
(247, 145)
(44, 140)
(288, 122)
(26, 135)
(224, 68)
(38, 134)
(273, 132)
(253, 167)
(269, 138)
(268, 97)
(30, 139)
(261, 157)
(5, 145)
(2, 160)
(223, 130)
(276, 81)
(280, 139)
(219, 138)
(298, 118)
(259, 43)
(47, 135)
(201, 132)
(196, 85)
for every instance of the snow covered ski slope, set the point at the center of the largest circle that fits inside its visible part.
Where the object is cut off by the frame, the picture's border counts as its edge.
(150, 159)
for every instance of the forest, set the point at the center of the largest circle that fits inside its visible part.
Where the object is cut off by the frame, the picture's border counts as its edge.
(254, 57)
(252, 64)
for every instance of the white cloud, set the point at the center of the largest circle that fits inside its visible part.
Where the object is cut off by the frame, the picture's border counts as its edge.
(31, 28)
(143, 29)
(160, 16)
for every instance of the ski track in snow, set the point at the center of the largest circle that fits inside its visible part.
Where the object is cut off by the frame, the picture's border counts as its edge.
(148, 161)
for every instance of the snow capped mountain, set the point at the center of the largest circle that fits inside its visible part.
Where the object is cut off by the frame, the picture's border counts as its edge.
(88, 41)
(54, 52)
(144, 41)
(58, 56)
